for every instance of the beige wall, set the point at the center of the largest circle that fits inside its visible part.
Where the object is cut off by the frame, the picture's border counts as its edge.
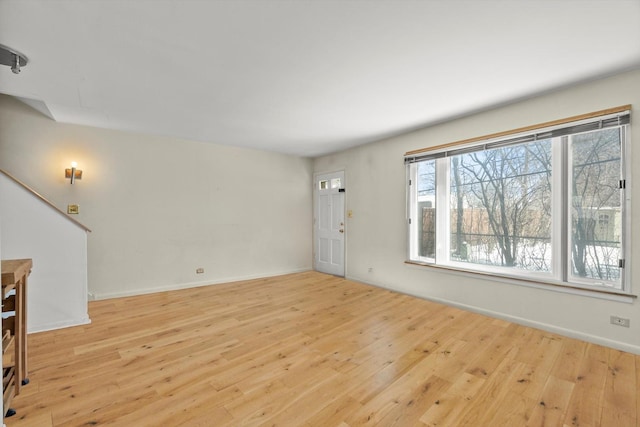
(161, 207)
(376, 234)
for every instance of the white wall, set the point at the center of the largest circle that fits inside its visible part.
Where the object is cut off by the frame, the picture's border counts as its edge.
(57, 286)
(376, 235)
(161, 207)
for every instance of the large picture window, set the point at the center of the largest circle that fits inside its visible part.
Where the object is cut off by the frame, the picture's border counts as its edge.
(547, 204)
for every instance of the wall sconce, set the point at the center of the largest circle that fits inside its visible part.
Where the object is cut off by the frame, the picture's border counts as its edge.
(73, 173)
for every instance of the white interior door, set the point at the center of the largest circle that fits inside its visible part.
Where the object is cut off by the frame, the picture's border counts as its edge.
(329, 225)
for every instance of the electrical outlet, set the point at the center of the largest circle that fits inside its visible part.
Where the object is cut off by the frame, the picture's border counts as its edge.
(199, 270)
(620, 321)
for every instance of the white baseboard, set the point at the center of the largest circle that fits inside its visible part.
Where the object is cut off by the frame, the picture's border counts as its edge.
(178, 286)
(58, 325)
(618, 345)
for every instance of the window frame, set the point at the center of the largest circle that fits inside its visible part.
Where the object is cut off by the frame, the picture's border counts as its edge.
(561, 271)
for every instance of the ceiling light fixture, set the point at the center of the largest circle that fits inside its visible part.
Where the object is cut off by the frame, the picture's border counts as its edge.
(12, 58)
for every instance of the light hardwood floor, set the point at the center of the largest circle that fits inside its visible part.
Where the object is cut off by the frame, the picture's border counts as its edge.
(315, 350)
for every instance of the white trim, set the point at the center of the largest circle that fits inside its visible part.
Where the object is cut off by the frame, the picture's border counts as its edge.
(178, 286)
(627, 225)
(411, 200)
(443, 197)
(570, 333)
(560, 217)
(561, 287)
(57, 325)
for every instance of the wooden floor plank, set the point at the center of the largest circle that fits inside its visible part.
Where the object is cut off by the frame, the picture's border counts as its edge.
(619, 400)
(552, 404)
(637, 417)
(585, 405)
(308, 350)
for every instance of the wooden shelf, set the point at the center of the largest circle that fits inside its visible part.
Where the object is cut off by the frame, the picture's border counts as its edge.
(14, 328)
(8, 385)
(7, 340)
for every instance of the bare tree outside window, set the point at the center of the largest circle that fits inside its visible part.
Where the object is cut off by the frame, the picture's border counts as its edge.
(500, 206)
(595, 204)
(426, 205)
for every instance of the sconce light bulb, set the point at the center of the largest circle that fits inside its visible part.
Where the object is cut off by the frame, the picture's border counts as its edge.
(74, 165)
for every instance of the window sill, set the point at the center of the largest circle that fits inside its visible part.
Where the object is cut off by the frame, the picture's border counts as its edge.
(606, 294)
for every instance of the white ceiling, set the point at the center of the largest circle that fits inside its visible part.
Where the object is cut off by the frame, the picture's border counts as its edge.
(303, 77)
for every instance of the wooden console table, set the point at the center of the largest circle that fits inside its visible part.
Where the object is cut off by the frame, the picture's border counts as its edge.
(14, 329)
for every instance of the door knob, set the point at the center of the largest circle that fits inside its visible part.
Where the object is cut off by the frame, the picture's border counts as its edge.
(341, 230)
